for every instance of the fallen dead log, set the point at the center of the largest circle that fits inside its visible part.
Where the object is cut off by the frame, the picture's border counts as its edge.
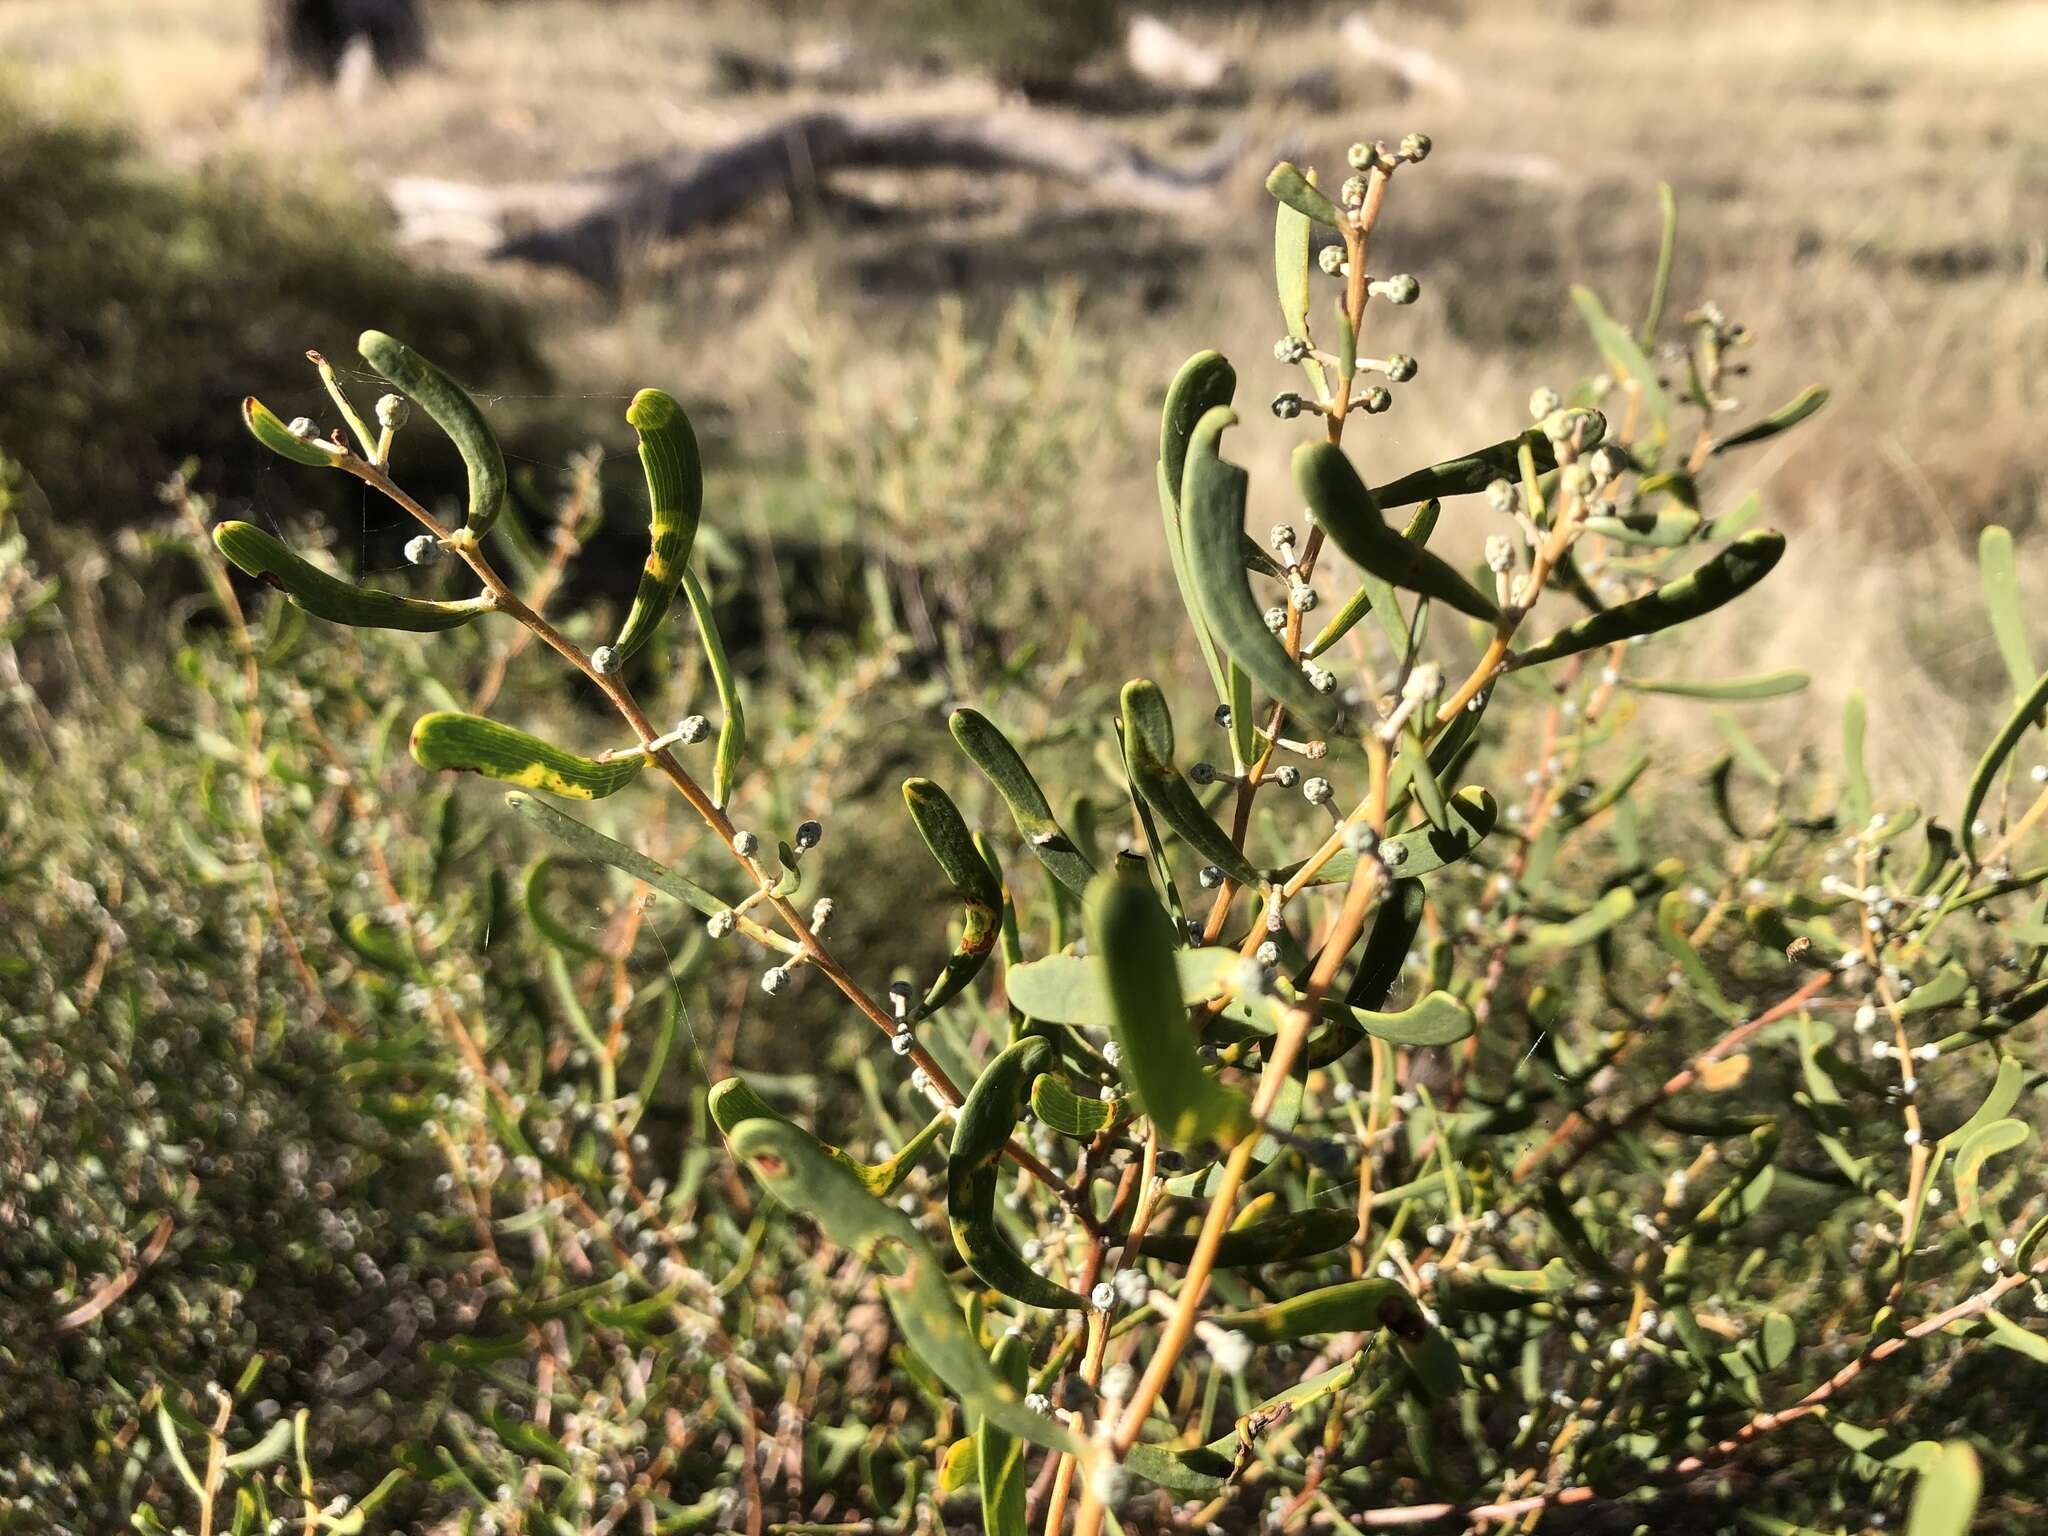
(586, 223)
(1165, 57)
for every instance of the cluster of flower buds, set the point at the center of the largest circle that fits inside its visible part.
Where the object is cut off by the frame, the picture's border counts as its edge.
(1413, 149)
(1401, 288)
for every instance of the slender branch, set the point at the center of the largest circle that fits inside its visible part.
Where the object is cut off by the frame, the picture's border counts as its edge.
(1357, 294)
(1764, 1423)
(1603, 1131)
(1724, 1450)
(508, 602)
(1367, 882)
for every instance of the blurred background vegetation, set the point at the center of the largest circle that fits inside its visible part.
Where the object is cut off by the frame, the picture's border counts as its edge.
(1861, 185)
(920, 389)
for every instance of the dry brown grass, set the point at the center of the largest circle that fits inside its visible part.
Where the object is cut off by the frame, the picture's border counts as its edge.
(1861, 182)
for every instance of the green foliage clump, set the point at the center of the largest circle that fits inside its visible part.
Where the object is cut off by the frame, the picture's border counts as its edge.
(136, 303)
(919, 457)
(196, 1177)
(1358, 1085)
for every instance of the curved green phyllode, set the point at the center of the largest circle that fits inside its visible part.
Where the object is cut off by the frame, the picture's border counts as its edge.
(1436, 1018)
(1346, 511)
(990, 751)
(800, 1174)
(1290, 186)
(593, 844)
(268, 429)
(1148, 739)
(1293, 261)
(1475, 471)
(1473, 814)
(987, 1117)
(733, 1100)
(808, 1181)
(939, 823)
(448, 738)
(2029, 712)
(1653, 527)
(675, 501)
(999, 1455)
(1971, 1153)
(1783, 419)
(1356, 1306)
(1133, 936)
(1066, 1113)
(1074, 989)
(1376, 597)
(1732, 572)
(1212, 503)
(1624, 356)
(732, 730)
(545, 923)
(1204, 382)
(272, 562)
(1296, 1235)
(1394, 928)
(454, 413)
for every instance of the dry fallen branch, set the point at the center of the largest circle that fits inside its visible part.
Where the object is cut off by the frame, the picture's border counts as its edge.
(1169, 59)
(1414, 67)
(584, 224)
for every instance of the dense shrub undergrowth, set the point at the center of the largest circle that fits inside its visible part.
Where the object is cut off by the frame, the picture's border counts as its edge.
(137, 305)
(1371, 1092)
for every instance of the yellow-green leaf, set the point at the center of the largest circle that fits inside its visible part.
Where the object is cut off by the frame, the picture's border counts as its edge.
(450, 739)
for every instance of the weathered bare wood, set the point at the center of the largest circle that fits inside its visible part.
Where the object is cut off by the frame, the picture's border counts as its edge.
(584, 224)
(1167, 58)
(1414, 67)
